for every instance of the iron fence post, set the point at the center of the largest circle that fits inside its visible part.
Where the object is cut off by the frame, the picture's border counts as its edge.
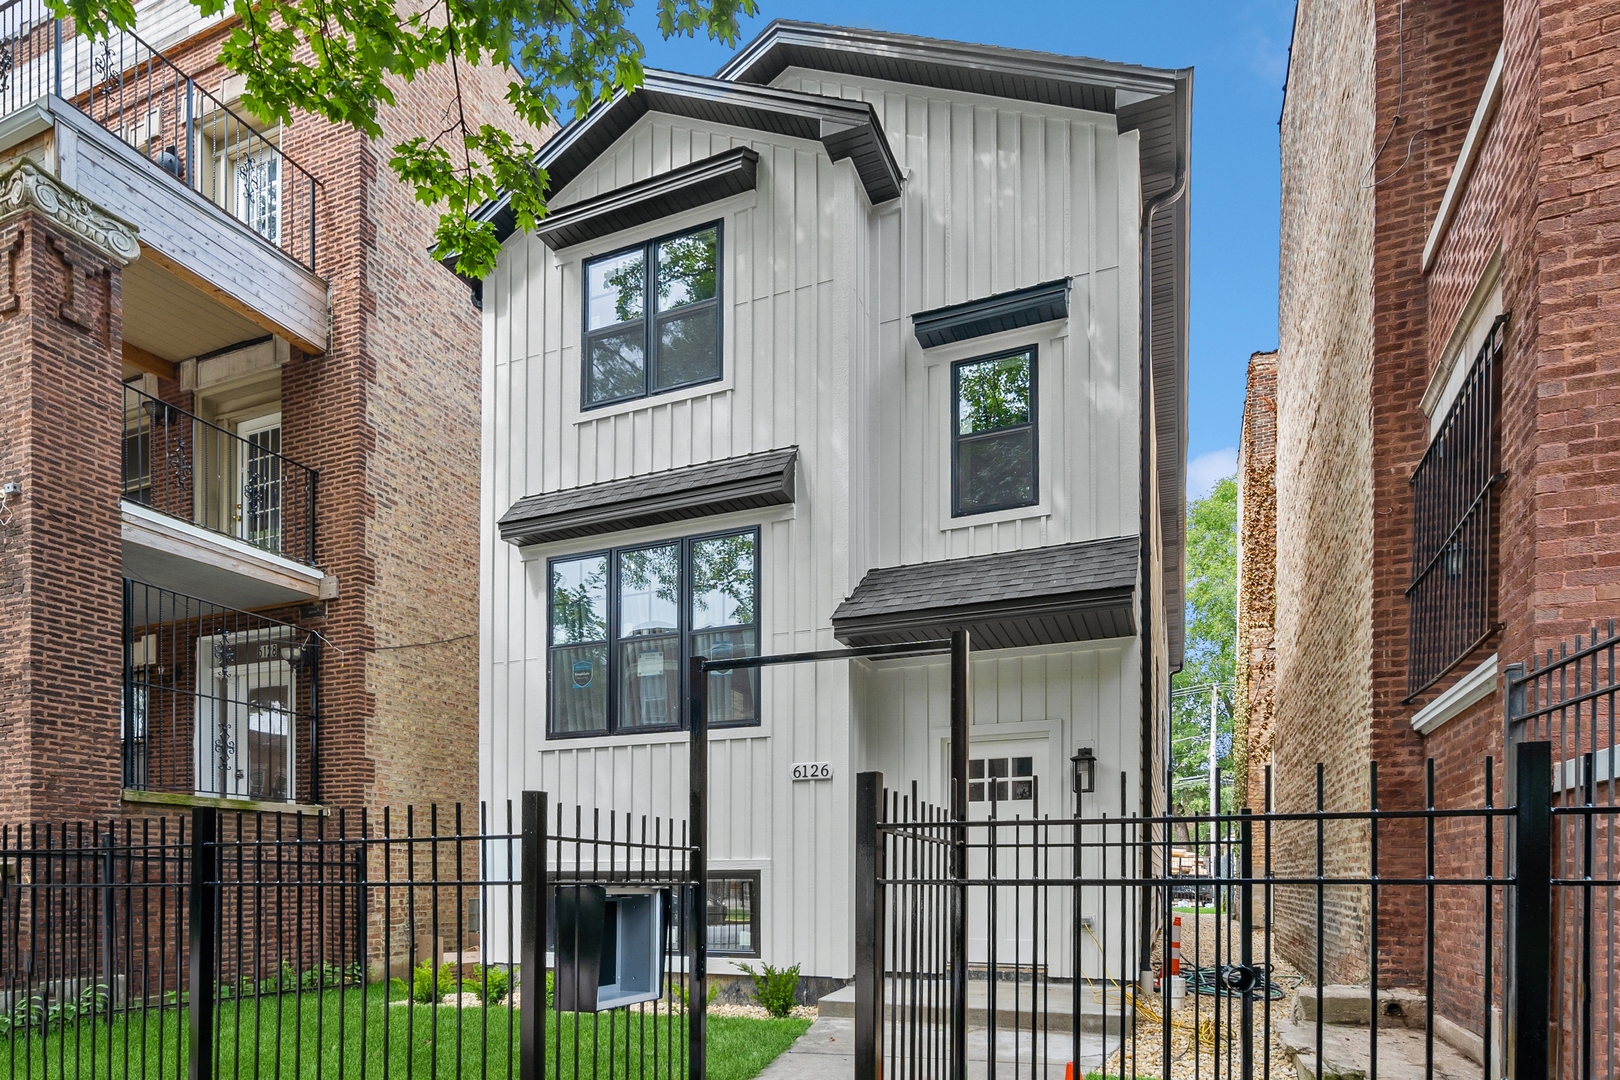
(960, 689)
(868, 927)
(109, 901)
(1528, 1041)
(56, 49)
(698, 775)
(189, 166)
(204, 944)
(532, 948)
(1246, 929)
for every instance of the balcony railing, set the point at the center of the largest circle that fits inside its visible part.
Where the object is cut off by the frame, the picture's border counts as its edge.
(137, 94)
(242, 487)
(217, 702)
(1451, 601)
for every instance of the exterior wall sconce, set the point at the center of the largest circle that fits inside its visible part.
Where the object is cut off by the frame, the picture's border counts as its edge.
(1085, 771)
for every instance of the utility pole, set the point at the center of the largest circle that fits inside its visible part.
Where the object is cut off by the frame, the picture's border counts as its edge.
(1214, 773)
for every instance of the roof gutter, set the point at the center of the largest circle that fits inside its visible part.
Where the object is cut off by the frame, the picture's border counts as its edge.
(1145, 587)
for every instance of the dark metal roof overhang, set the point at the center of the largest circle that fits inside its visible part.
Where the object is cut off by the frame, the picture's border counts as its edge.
(1041, 303)
(1041, 596)
(702, 182)
(717, 487)
(848, 129)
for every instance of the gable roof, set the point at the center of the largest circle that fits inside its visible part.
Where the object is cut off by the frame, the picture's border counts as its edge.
(848, 129)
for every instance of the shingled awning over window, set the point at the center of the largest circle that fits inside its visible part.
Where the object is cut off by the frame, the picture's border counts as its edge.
(717, 487)
(1042, 596)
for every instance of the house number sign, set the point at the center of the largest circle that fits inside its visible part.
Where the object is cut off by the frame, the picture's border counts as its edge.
(812, 770)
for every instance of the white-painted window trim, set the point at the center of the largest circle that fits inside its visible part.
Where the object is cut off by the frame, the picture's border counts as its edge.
(1479, 314)
(1570, 774)
(1483, 114)
(1472, 687)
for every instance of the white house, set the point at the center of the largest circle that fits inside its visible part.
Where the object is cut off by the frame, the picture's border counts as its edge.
(843, 345)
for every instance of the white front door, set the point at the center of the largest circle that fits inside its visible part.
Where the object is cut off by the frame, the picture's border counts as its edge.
(259, 482)
(246, 708)
(1007, 782)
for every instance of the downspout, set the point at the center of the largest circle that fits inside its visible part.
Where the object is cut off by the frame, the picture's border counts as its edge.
(1145, 556)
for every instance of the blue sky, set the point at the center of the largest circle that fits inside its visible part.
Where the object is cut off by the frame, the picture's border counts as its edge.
(1240, 53)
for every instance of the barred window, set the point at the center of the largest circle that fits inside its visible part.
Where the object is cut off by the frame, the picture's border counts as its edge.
(1451, 601)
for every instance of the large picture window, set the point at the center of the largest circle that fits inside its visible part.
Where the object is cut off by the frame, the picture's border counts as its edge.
(624, 621)
(648, 332)
(993, 464)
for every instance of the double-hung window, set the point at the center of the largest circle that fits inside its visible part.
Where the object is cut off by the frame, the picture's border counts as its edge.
(652, 318)
(624, 621)
(993, 448)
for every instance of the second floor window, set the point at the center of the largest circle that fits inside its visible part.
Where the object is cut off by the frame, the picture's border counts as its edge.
(652, 318)
(1451, 600)
(993, 448)
(624, 621)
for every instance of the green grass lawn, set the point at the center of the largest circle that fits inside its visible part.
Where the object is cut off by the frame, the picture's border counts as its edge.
(353, 1033)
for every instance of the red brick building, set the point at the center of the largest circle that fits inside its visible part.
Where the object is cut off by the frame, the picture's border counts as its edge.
(1448, 424)
(238, 547)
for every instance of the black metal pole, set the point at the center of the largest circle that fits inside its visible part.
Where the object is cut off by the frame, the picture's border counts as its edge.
(1532, 901)
(868, 927)
(960, 690)
(1246, 938)
(204, 946)
(698, 775)
(532, 946)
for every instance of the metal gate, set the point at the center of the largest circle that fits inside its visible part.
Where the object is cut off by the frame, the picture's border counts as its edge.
(1127, 953)
(1567, 700)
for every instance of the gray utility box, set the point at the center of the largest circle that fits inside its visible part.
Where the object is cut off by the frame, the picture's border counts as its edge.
(610, 946)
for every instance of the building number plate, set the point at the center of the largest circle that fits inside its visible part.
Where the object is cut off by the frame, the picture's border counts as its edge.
(812, 770)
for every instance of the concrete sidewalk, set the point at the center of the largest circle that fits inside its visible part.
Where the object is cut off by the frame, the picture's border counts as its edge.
(827, 1052)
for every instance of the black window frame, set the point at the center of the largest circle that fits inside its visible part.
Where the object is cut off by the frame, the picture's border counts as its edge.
(957, 438)
(684, 631)
(649, 316)
(753, 877)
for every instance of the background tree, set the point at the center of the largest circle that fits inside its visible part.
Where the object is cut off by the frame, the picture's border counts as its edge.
(341, 59)
(1211, 650)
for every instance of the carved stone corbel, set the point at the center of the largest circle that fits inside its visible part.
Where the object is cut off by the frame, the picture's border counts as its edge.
(25, 186)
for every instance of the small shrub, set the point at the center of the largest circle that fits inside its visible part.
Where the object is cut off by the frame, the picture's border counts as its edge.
(679, 992)
(774, 987)
(492, 987)
(426, 988)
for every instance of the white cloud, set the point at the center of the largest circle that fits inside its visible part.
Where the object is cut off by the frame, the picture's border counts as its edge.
(1206, 470)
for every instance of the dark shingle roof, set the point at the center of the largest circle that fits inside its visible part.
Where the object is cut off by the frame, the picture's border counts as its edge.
(717, 487)
(1070, 592)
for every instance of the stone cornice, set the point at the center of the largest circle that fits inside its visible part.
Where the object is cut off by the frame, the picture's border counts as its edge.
(25, 186)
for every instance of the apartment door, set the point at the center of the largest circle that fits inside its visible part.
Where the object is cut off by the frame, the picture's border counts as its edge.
(1005, 778)
(259, 483)
(246, 709)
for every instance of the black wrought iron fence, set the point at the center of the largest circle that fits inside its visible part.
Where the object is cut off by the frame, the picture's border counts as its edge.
(1568, 699)
(217, 701)
(240, 486)
(1120, 945)
(224, 943)
(135, 92)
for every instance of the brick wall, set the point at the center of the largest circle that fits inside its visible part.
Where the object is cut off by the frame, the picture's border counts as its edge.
(1324, 496)
(1255, 689)
(60, 656)
(390, 418)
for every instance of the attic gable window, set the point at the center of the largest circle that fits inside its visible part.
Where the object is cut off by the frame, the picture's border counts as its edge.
(993, 464)
(651, 332)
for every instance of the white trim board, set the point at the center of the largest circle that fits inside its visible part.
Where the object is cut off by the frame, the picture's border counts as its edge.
(1472, 687)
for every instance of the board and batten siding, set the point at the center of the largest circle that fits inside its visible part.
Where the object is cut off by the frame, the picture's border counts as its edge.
(817, 291)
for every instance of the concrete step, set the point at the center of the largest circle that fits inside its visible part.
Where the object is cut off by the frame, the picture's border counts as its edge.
(1347, 1053)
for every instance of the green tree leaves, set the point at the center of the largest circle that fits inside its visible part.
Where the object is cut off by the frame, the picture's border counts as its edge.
(1210, 654)
(342, 59)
